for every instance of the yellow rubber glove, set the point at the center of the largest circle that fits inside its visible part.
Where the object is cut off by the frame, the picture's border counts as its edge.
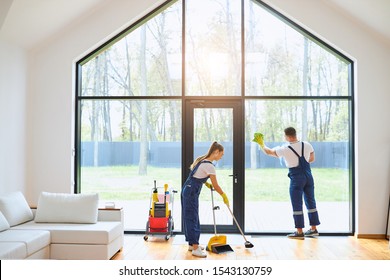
(259, 139)
(225, 199)
(210, 186)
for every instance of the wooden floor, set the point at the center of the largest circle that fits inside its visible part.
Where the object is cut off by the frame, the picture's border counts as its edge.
(265, 248)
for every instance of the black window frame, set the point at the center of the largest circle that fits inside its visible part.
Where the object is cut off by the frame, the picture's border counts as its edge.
(350, 97)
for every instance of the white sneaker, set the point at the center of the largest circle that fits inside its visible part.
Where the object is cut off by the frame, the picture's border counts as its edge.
(199, 253)
(190, 247)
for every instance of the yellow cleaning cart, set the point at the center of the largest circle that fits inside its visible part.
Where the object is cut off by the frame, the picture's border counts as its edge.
(160, 220)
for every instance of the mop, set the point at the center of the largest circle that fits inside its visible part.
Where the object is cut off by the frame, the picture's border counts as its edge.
(247, 243)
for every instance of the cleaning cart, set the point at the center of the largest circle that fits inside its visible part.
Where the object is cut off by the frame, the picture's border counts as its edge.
(160, 220)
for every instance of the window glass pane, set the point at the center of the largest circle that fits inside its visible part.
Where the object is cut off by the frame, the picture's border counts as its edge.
(215, 124)
(131, 132)
(213, 47)
(325, 124)
(125, 146)
(279, 60)
(146, 62)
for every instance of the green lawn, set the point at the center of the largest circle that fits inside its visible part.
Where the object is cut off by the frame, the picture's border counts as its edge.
(271, 184)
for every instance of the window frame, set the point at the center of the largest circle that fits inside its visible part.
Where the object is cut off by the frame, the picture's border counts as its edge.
(184, 99)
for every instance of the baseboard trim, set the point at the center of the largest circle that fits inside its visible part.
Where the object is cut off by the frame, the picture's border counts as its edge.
(371, 236)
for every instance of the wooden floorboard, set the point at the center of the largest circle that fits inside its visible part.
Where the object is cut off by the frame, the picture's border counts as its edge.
(265, 248)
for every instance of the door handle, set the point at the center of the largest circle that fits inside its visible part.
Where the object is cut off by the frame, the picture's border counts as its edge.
(234, 177)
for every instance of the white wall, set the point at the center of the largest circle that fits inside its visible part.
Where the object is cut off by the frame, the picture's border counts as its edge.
(13, 69)
(51, 91)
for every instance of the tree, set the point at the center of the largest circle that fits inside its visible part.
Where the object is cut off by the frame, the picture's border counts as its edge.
(143, 158)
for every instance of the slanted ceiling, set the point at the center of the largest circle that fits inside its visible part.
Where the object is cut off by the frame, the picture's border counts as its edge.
(374, 15)
(28, 23)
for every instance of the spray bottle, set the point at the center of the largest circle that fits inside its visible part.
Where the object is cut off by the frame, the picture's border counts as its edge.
(166, 192)
(154, 198)
(155, 193)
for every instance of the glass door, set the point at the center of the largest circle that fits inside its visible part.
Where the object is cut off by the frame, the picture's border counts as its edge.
(207, 122)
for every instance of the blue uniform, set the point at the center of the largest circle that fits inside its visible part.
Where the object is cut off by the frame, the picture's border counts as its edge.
(302, 183)
(190, 205)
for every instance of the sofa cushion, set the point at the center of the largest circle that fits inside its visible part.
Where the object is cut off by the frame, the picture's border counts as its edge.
(15, 208)
(67, 208)
(12, 250)
(99, 233)
(3, 222)
(34, 240)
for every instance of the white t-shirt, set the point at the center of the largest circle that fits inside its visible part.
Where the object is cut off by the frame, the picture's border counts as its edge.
(204, 170)
(289, 157)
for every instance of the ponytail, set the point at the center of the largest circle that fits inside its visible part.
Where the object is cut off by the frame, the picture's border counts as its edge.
(214, 146)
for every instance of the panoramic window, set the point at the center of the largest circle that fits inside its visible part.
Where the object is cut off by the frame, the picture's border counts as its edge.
(124, 149)
(213, 48)
(155, 96)
(325, 125)
(283, 64)
(126, 144)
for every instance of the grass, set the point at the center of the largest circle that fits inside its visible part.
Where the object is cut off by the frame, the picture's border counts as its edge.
(270, 184)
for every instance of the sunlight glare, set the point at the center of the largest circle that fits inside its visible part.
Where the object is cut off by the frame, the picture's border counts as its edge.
(217, 65)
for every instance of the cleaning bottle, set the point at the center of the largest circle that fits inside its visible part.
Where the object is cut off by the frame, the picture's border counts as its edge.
(155, 193)
(154, 198)
(166, 192)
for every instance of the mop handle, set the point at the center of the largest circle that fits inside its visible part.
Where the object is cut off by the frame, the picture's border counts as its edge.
(212, 203)
(237, 223)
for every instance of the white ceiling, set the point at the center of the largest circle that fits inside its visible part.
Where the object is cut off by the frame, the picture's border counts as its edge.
(371, 14)
(29, 22)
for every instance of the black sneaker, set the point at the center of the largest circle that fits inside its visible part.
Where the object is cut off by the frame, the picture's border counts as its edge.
(296, 235)
(311, 233)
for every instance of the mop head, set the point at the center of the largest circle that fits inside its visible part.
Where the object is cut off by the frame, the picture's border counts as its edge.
(249, 244)
(259, 139)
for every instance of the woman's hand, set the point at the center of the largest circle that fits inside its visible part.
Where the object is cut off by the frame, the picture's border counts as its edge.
(225, 199)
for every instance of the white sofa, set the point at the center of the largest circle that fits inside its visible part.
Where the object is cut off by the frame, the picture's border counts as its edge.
(63, 226)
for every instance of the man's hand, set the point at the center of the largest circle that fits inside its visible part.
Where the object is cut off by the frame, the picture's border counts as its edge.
(259, 139)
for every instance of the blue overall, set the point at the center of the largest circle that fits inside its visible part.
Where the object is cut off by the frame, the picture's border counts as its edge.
(190, 205)
(302, 183)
